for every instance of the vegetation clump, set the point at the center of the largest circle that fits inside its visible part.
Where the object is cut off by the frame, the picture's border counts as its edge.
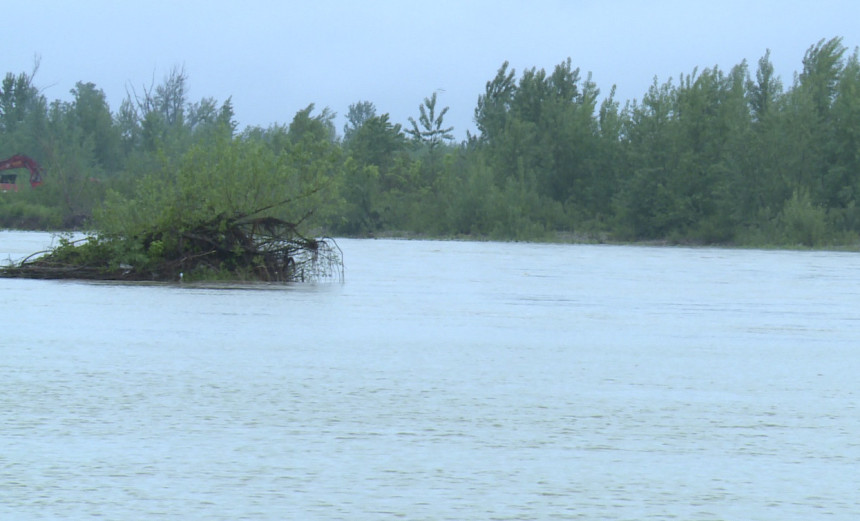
(231, 211)
(265, 249)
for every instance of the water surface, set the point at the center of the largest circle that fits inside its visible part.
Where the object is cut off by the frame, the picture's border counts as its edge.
(441, 380)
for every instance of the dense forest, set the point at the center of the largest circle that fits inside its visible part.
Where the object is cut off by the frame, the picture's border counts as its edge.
(713, 157)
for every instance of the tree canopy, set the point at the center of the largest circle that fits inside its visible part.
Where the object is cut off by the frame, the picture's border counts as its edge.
(717, 156)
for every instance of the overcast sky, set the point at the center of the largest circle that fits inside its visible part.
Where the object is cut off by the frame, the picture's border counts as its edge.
(276, 57)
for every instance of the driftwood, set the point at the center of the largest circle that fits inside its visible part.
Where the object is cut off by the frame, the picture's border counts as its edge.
(239, 248)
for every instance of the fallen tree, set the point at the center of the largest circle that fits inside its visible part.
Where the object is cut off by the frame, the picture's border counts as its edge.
(204, 221)
(263, 249)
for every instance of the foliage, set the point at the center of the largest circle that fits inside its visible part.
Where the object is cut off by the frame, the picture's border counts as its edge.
(802, 222)
(357, 114)
(25, 213)
(231, 209)
(431, 132)
(719, 155)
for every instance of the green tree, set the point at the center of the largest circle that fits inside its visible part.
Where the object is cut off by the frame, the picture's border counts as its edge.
(841, 180)
(822, 65)
(494, 104)
(687, 144)
(376, 151)
(806, 123)
(377, 142)
(74, 172)
(763, 187)
(91, 114)
(18, 98)
(357, 114)
(159, 114)
(23, 112)
(764, 92)
(541, 135)
(429, 130)
(313, 128)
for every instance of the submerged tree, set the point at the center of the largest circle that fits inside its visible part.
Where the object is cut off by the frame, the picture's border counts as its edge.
(230, 210)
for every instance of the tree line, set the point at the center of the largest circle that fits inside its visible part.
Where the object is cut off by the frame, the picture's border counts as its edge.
(716, 156)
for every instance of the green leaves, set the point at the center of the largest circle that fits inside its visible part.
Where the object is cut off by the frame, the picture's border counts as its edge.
(716, 155)
(229, 177)
(822, 66)
(431, 132)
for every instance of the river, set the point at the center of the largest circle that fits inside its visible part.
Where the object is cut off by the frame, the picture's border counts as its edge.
(441, 380)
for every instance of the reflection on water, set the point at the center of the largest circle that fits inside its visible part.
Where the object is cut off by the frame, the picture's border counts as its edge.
(442, 380)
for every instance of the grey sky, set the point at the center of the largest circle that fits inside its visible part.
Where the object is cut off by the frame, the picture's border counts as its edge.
(276, 57)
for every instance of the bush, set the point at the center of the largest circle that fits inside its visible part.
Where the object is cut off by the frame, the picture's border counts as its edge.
(801, 222)
(18, 213)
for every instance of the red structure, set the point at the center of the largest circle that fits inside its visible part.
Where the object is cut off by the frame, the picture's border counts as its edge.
(7, 181)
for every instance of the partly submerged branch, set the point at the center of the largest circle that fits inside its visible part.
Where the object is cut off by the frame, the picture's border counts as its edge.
(240, 249)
